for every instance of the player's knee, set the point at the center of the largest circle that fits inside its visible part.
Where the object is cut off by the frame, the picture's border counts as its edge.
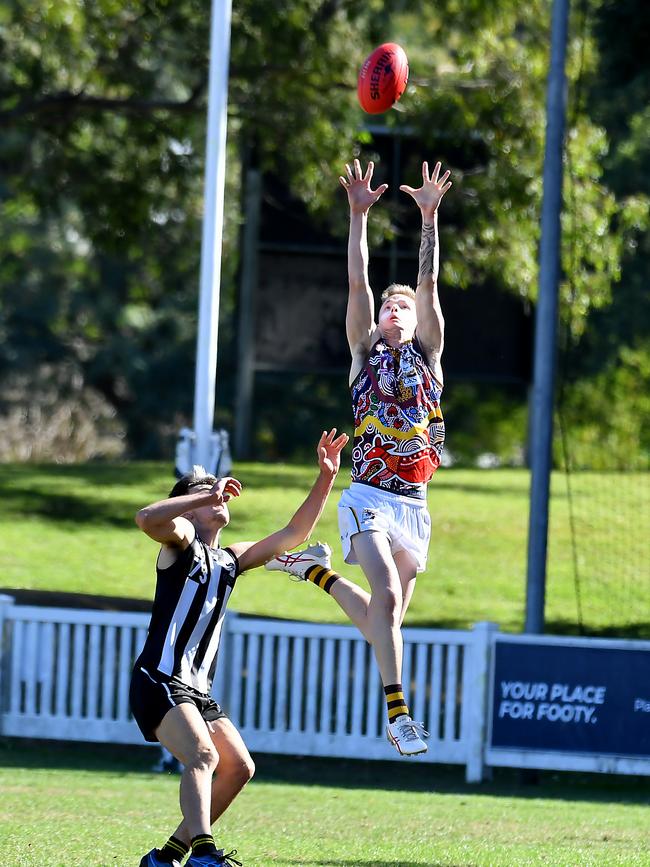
(247, 769)
(206, 758)
(242, 770)
(389, 604)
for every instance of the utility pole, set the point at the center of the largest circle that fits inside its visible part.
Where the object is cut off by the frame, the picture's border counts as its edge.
(202, 445)
(546, 323)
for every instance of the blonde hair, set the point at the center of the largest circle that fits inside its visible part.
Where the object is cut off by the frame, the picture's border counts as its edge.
(397, 289)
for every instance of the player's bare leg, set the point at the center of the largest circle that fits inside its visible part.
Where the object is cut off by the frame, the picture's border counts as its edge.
(407, 568)
(235, 769)
(377, 615)
(372, 550)
(183, 731)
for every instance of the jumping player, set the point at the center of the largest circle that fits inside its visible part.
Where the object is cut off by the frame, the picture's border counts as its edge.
(396, 382)
(172, 677)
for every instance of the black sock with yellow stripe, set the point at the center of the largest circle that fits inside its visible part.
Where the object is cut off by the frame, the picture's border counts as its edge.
(173, 850)
(395, 701)
(203, 844)
(322, 577)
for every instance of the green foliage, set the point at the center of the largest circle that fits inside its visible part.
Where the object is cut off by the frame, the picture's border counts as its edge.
(103, 106)
(103, 111)
(606, 415)
(484, 419)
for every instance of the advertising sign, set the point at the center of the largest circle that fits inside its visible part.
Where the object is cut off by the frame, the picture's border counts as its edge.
(571, 698)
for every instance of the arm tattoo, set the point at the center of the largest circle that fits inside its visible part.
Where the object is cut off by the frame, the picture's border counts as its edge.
(427, 251)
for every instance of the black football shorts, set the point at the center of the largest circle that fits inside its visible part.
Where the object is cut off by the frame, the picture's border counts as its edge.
(151, 698)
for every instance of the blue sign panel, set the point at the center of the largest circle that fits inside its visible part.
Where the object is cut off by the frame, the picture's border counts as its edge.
(571, 698)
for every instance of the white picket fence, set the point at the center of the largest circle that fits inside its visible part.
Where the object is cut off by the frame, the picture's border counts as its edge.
(289, 687)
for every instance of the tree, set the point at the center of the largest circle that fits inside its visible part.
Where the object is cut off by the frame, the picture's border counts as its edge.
(102, 107)
(102, 128)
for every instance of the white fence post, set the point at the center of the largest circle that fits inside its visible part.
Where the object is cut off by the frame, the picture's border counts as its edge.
(475, 699)
(5, 644)
(64, 675)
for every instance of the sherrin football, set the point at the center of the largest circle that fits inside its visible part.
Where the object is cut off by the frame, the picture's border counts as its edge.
(383, 78)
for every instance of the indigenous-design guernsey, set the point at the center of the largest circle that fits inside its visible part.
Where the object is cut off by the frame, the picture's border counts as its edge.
(399, 430)
(187, 615)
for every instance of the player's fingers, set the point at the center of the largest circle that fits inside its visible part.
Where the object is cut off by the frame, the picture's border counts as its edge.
(232, 488)
(357, 170)
(444, 177)
(436, 171)
(343, 182)
(425, 172)
(340, 441)
(446, 187)
(405, 189)
(349, 172)
(369, 171)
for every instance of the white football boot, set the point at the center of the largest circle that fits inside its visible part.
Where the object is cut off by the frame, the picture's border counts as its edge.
(407, 736)
(296, 563)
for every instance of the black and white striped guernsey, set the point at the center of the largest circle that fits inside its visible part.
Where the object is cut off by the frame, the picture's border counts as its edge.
(187, 615)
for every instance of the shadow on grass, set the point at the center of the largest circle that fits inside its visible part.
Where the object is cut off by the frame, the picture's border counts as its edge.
(282, 476)
(449, 486)
(64, 599)
(86, 472)
(27, 754)
(73, 509)
(69, 599)
(613, 630)
(449, 779)
(82, 495)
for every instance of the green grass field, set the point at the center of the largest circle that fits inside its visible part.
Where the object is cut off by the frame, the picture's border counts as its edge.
(92, 806)
(70, 529)
(81, 519)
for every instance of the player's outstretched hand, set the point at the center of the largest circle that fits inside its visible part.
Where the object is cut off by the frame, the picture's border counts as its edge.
(329, 451)
(224, 489)
(357, 186)
(430, 194)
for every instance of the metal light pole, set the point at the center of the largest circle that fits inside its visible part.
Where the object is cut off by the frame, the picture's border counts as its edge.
(203, 446)
(546, 323)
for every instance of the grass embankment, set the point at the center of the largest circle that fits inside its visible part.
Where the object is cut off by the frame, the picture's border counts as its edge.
(71, 529)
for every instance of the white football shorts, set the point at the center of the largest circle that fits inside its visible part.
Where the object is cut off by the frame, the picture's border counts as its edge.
(404, 520)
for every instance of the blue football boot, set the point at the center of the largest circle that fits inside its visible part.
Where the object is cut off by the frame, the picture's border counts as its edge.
(221, 859)
(151, 859)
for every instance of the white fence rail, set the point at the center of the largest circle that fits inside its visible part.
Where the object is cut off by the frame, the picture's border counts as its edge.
(314, 689)
(310, 689)
(64, 673)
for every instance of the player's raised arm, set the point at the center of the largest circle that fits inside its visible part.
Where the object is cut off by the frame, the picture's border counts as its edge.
(359, 321)
(164, 520)
(302, 523)
(431, 323)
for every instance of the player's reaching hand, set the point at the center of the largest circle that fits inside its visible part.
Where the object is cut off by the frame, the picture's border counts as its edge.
(430, 194)
(224, 489)
(329, 450)
(357, 185)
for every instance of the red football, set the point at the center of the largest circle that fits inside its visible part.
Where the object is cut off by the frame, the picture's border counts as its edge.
(383, 78)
